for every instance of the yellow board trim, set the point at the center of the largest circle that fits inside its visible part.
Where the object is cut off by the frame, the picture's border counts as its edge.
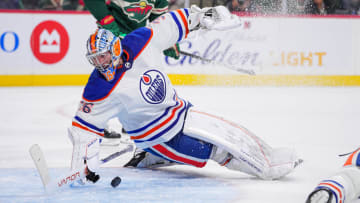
(43, 80)
(195, 79)
(266, 80)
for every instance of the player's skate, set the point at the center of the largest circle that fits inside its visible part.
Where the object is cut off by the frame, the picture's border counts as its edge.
(111, 138)
(143, 159)
(321, 195)
(114, 134)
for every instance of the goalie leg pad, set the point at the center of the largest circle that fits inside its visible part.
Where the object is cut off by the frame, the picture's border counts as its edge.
(251, 154)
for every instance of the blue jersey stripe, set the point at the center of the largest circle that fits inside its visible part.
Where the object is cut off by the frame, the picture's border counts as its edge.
(88, 124)
(156, 120)
(165, 130)
(336, 183)
(186, 12)
(178, 24)
(170, 126)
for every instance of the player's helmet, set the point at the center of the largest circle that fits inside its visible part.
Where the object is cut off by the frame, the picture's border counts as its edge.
(100, 45)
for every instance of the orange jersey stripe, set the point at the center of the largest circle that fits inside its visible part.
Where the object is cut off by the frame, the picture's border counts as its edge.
(349, 160)
(87, 129)
(184, 21)
(160, 125)
(334, 187)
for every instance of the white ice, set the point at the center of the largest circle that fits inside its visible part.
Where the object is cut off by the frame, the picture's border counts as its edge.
(319, 122)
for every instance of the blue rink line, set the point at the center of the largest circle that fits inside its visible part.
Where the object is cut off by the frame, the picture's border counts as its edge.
(138, 185)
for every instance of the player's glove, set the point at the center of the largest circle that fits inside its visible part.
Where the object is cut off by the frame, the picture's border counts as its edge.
(196, 16)
(173, 52)
(321, 195)
(218, 18)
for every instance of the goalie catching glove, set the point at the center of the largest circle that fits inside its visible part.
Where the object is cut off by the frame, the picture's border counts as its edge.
(212, 18)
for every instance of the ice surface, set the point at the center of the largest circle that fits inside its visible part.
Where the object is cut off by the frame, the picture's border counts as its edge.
(22, 185)
(319, 122)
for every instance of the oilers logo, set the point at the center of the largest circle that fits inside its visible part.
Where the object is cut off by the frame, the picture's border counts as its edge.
(153, 86)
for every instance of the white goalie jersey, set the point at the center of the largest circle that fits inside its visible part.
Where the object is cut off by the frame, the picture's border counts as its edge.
(141, 95)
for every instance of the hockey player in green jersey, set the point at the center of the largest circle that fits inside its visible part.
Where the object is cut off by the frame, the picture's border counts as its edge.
(123, 16)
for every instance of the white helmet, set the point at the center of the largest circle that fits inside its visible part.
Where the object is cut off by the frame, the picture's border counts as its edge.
(99, 44)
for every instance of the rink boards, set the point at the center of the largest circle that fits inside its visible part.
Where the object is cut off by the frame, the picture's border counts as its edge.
(48, 48)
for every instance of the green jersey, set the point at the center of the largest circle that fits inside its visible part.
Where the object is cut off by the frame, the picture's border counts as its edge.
(123, 16)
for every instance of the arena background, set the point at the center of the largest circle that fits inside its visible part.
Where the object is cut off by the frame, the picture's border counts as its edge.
(48, 48)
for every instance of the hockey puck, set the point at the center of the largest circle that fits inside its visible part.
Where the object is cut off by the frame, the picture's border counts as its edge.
(115, 182)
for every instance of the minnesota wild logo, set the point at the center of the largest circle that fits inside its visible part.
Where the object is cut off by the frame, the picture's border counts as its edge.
(139, 11)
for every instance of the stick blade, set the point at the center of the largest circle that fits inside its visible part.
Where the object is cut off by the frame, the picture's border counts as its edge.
(40, 163)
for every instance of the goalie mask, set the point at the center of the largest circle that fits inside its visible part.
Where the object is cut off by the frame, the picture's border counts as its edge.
(103, 52)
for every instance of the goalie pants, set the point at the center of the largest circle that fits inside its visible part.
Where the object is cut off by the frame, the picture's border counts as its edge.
(184, 150)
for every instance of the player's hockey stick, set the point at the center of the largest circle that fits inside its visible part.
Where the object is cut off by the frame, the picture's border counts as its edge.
(346, 154)
(50, 184)
(232, 67)
(129, 148)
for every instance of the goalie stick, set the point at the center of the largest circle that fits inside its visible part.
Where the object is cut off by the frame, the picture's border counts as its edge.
(232, 67)
(50, 184)
(129, 148)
